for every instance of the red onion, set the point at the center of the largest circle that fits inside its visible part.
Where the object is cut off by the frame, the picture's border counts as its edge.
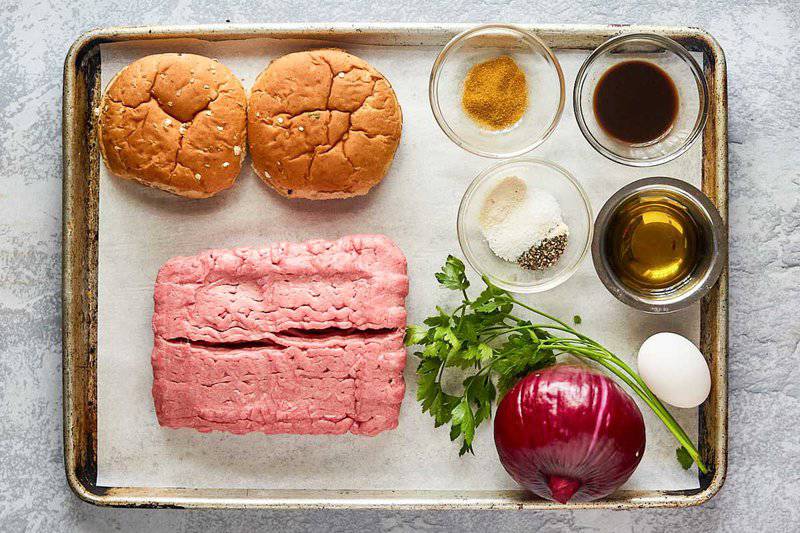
(569, 433)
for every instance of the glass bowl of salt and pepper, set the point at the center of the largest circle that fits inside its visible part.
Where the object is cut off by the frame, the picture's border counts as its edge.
(526, 224)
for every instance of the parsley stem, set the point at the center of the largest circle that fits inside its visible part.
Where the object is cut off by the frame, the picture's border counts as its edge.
(644, 390)
(626, 374)
(495, 328)
(585, 347)
(691, 449)
(566, 326)
(518, 328)
(441, 370)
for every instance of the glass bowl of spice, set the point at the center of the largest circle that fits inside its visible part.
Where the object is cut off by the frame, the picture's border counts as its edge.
(497, 91)
(641, 99)
(526, 224)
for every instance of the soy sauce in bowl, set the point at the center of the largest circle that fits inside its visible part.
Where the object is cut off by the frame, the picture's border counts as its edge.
(636, 102)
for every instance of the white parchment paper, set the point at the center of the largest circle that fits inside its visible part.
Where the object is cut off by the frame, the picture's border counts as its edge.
(416, 205)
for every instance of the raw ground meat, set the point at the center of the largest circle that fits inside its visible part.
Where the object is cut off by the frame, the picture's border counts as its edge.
(291, 338)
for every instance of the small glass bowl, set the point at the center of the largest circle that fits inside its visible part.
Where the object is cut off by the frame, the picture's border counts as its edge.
(576, 212)
(545, 90)
(689, 81)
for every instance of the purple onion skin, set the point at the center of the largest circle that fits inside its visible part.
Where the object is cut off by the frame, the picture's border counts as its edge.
(569, 433)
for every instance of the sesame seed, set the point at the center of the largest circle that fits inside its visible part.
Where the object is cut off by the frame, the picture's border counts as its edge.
(237, 150)
(219, 128)
(225, 164)
(215, 60)
(118, 148)
(163, 75)
(258, 115)
(191, 80)
(207, 165)
(167, 122)
(178, 92)
(208, 113)
(301, 128)
(206, 86)
(280, 120)
(169, 103)
(341, 74)
(197, 177)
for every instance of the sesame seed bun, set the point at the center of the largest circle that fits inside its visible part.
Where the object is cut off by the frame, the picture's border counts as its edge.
(322, 124)
(176, 122)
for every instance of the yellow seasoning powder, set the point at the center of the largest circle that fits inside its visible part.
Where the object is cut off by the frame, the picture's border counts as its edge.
(495, 93)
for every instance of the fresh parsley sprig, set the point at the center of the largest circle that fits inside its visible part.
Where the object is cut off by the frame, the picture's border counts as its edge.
(495, 348)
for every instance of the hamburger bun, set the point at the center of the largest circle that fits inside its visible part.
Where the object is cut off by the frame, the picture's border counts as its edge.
(176, 122)
(322, 124)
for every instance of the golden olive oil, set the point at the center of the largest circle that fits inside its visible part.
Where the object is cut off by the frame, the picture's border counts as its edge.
(653, 243)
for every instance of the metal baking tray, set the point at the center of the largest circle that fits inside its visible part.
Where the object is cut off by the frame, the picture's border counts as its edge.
(81, 160)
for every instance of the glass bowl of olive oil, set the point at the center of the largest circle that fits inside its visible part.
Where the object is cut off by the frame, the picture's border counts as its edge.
(659, 244)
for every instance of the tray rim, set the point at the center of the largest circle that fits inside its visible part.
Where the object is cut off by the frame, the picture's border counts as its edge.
(76, 304)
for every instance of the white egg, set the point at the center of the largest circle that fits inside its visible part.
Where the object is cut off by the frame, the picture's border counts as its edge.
(674, 369)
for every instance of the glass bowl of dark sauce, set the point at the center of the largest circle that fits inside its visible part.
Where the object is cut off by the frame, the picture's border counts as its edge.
(641, 99)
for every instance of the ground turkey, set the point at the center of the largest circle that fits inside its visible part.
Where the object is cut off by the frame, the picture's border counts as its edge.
(291, 338)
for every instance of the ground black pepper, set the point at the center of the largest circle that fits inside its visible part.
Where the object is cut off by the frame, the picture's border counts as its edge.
(545, 254)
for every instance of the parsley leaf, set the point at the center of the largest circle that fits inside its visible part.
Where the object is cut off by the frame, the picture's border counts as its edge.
(684, 458)
(452, 275)
(415, 335)
(519, 356)
(430, 393)
(463, 418)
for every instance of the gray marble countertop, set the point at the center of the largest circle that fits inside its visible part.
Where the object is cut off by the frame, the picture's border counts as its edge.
(761, 44)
